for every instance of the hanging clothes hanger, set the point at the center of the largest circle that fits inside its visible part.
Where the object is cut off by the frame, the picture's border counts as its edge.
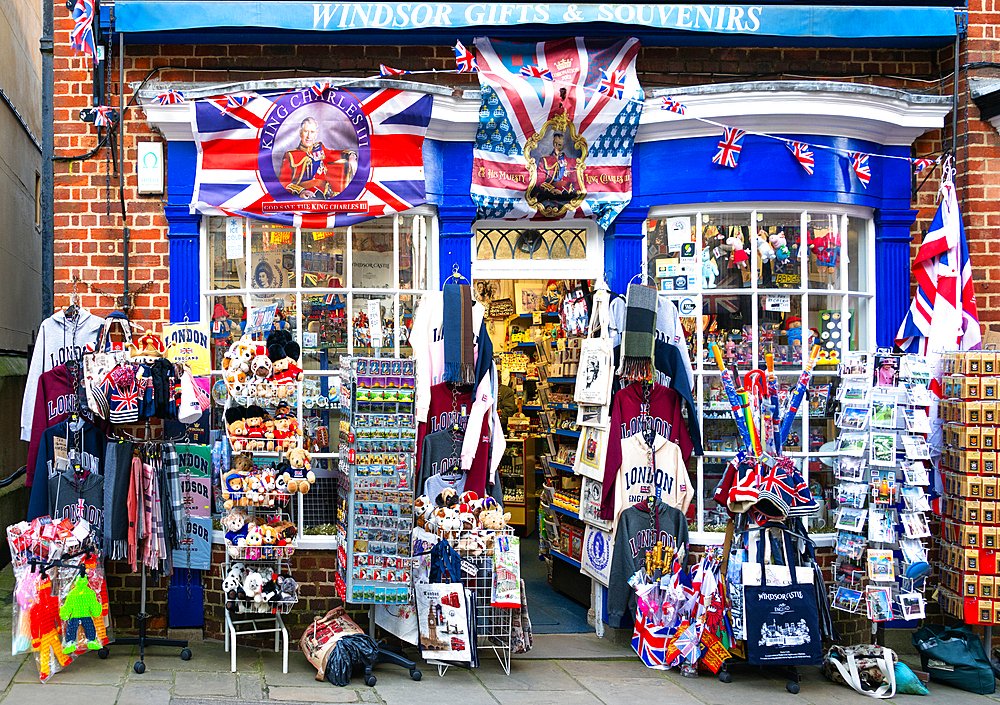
(456, 275)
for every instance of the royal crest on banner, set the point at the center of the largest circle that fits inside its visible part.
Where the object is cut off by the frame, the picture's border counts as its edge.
(556, 129)
(317, 156)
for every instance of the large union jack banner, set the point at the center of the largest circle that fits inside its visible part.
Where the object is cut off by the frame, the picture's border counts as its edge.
(316, 158)
(554, 141)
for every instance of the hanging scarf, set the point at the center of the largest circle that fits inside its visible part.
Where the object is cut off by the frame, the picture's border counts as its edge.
(117, 478)
(459, 352)
(134, 503)
(172, 476)
(639, 337)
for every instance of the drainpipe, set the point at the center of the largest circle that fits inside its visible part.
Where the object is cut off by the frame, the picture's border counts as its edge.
(47, 195)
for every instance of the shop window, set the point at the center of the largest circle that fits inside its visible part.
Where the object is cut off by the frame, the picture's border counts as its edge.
(526, 243)
(571, 250)
(765, 279)
(324, 282)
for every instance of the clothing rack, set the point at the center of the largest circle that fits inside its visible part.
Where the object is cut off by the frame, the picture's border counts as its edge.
(142, 641)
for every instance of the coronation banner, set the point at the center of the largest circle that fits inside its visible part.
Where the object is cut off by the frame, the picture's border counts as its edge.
(556, 128)
(317, 157)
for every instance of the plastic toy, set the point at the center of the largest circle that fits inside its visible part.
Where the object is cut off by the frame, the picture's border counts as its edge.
(80, 608)
(46, 631)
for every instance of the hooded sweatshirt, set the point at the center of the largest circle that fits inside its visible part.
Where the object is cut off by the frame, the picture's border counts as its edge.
(634, 535)
(55, 346)
(52, 460)
(64, 491)
(667, 478)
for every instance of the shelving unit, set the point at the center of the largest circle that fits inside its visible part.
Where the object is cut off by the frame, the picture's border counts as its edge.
(517, 470)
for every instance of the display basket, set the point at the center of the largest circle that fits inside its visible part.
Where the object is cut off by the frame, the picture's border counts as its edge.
(250, 607)
(260, 553)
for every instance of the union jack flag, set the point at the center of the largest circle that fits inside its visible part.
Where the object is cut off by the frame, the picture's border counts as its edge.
(319, 88)
(649, 642)
(384, 70)
(673, 105)
(730, 147)
(686, 640)
(859, 162)
(103, 116)
(387, 174)
(944, 312)
(169, 97)
(612, 84)
(516, 112)
(465, 61)
(803, 155)
(920, 164)
(82, 36)
(233, 102)
(532, 71)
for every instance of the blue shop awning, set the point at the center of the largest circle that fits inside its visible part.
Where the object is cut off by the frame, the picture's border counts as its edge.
(285, 21)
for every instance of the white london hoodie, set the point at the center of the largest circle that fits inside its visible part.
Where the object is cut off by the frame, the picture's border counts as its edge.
(668, 477)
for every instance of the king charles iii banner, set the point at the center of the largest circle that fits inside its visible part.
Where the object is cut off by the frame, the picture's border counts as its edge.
(317, 157)
(556, 128)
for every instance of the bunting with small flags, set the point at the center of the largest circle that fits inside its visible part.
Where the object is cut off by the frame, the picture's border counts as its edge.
(104, 116)
(612, 83)
(673, 105)
(234, 102)
(533, 71)
(319, 88)
(920, 164)
(730, 147)
(803, 155)
(169, 97)
(859, 163)
(384, 70)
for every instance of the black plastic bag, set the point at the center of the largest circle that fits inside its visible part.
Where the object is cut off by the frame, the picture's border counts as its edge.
(955, 655)
(352, 651)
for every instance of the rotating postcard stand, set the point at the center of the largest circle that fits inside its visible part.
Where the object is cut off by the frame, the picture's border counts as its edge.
(377, 442)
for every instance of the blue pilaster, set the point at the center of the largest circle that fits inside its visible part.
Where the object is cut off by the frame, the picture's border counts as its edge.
(185, 269)
(892, 272)
(455, 242)
(626, 254)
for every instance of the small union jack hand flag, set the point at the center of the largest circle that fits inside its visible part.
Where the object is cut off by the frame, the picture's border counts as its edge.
(82, 36)
(238, 101)
(384, 70)
(859, 162)
(672, 105)
(920, 164)
(103, 116)
(320, 87)
(613, 84)
(536, 72)
(730, 147)
(803, 155)
(465, 61)
(169, 97)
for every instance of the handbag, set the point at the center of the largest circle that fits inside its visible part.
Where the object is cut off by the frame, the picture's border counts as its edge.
(97, 364)
(955, 655)
(868, 668)
(782, 623)
(593, 382)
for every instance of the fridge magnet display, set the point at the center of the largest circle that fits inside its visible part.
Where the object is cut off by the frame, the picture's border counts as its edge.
(819, 398)
(883, 412)
(851, 519)
(886, 371)
(883, 447)
(880, 565)
(847, 599)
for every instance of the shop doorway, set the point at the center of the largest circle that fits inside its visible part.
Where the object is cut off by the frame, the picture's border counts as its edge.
(535, 326)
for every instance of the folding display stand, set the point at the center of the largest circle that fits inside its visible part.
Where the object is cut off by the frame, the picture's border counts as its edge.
(142, 641)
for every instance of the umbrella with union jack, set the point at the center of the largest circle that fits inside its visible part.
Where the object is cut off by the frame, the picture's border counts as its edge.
(730, 147)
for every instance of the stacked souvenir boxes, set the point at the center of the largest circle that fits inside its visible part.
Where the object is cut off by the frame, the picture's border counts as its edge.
(970, 526)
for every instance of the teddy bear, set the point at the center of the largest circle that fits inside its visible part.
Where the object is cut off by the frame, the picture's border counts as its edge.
(283, 352)
(285, 531)
(235, 524)
(299, 477)
(493, 520)
(709, 268)
(234, 482)
(252, 585)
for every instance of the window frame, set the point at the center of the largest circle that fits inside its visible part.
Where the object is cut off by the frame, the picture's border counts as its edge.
(590, 267)
(703, 372)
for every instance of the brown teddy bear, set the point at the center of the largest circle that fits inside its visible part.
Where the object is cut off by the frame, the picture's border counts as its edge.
(299, 477)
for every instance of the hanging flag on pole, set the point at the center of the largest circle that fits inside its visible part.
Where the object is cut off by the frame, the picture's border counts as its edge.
(730, 147)
(803, 155)
(920, 164)
(465, 61)
(104, 116)
(859, 163)
(82, 36)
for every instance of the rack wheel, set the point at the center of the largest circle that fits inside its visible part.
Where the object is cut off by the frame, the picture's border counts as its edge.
(185, 654)
(139, 667)
(370, 680)
(725, 676)
(103, 652)
(415, 674)
(792, 688)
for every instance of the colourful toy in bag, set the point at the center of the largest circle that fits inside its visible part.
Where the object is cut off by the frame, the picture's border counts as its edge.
(46, 629)
(80, 608)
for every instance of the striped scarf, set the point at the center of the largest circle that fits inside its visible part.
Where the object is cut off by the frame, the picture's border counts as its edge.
(172, 476)
(135, 512)
(459, 350)
(639, 338)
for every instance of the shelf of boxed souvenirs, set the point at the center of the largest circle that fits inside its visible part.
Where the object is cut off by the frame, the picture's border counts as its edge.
(561, 510)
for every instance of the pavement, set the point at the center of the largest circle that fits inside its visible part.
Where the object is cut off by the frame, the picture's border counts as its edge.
(561, 669)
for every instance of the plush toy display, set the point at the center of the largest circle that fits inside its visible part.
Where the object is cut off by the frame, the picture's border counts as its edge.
(299, 476)
(250, 590)
(764, 248)
(780, 246)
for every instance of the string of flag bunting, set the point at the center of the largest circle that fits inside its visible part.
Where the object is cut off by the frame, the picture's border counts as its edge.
(727, 154)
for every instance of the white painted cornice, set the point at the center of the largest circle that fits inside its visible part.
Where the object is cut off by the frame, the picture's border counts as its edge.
(884, 116)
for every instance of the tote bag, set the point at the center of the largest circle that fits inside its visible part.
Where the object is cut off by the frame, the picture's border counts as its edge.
(98, 364)
(782, 624)
(955, 656)
(593, 381)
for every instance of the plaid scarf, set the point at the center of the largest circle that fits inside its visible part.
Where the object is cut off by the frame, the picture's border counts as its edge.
(639, 337)
(459, 352)
(172, 478)
(150, 526)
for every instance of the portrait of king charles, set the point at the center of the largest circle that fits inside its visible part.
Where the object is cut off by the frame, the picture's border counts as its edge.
(312, 170)
(556, 157)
